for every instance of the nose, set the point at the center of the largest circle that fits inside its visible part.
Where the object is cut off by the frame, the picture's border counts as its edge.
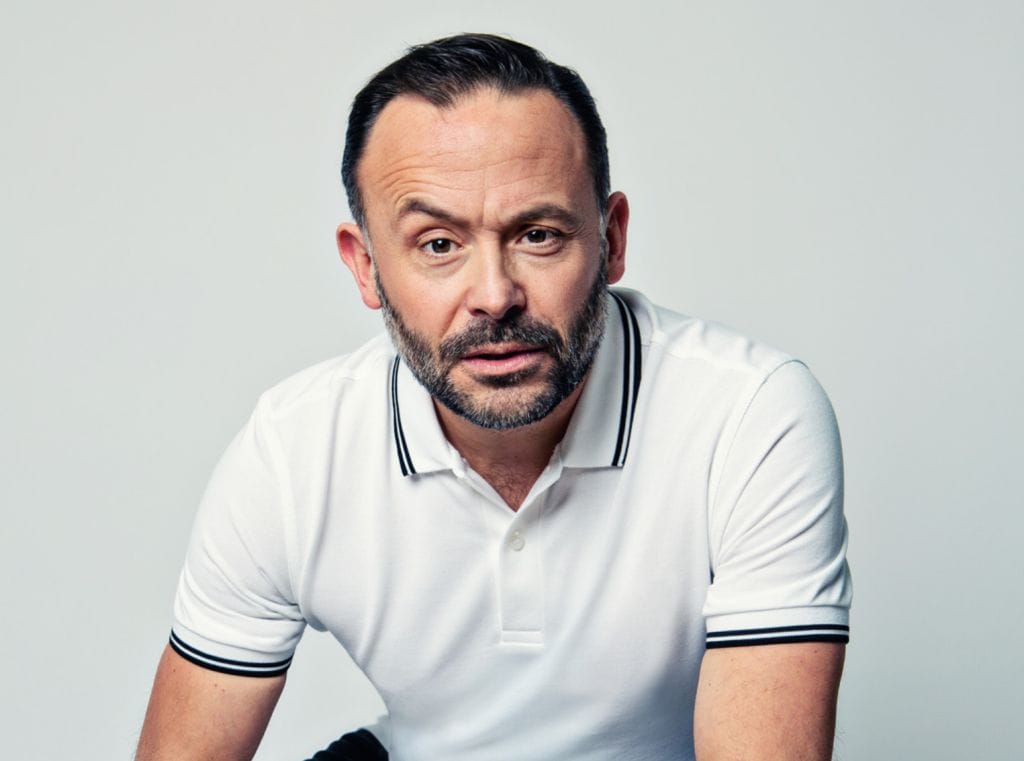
(493, 291)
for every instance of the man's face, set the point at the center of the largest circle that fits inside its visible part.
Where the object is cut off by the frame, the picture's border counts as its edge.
(488, 250)
(572, 356)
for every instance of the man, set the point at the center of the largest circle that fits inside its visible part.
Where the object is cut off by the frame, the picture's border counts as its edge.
(547, 520)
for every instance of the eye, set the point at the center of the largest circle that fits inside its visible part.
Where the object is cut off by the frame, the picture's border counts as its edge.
(542, 238)
(439, 246)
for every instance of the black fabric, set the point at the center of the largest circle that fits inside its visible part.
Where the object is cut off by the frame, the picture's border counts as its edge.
(360, 745)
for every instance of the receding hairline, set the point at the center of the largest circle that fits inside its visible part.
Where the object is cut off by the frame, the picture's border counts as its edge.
(443, 70)
(452, 103)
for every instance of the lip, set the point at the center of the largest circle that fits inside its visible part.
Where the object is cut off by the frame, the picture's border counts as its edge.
(502, 358)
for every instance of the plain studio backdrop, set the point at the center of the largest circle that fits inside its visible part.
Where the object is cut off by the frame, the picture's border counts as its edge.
(842, 180)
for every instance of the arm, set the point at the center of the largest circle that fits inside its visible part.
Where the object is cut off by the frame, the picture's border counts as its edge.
(768, 702)
(236, 622)
(196, 713)
(777, 606)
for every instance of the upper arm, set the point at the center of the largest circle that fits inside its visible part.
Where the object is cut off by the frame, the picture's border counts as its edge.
(236, 620)
(768, 702)
(777, 608)
(776, 531)
(199, 713)
(235, 609)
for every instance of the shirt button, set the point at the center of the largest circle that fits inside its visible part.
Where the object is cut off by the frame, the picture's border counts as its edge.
(516, 542)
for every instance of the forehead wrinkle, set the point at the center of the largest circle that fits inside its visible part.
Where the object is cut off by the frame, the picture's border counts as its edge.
(470, 148)
(416, 176)
(405, 186)
(457, 140)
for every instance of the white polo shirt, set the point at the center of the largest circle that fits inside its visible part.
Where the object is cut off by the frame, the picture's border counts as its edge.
(695, 501)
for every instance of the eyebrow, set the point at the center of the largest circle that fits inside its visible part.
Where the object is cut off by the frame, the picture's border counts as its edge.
(547, 211)
(415, 206)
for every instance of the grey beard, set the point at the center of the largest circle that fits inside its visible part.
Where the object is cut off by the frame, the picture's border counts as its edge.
(573, 356)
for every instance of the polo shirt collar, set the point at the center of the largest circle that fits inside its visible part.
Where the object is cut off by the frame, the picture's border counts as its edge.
(598, 434)
(599, 431)
(420, 444)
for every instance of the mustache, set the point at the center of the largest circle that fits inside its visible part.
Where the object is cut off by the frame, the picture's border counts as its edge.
(482, 332)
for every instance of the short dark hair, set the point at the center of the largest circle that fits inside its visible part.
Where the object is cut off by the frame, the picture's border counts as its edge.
(442, 70)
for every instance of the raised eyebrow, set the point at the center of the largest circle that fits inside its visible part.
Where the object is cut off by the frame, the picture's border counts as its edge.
(547, 212)
(415, 206)
(543, 212)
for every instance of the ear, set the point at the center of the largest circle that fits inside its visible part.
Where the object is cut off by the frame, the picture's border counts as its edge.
(354, 252)
(617, 217)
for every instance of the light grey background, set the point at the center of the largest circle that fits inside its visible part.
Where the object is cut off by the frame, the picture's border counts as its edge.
(844, 180)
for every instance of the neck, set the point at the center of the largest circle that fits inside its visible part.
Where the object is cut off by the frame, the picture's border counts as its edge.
(511, 460)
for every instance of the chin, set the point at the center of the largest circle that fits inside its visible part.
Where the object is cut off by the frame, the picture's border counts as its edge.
(504, 409)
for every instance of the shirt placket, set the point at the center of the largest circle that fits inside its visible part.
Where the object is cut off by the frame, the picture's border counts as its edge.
(520, 559)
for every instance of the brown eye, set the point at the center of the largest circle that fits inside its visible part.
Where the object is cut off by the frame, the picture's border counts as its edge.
(439, 246)
(541, 240)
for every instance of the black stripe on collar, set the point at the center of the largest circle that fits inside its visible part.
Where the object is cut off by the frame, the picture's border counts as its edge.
(404, 460)
(631, 366)
(630, 378)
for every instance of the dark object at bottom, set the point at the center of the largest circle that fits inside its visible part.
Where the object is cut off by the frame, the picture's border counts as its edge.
(360, 745)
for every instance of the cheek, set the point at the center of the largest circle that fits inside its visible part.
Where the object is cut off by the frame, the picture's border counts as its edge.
(560, 295)
(427, 309)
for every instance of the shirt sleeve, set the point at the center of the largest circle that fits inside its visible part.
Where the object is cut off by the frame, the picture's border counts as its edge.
(776, 529)
(234, 610)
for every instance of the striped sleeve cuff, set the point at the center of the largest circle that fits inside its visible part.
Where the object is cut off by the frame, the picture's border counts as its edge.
(774, 635)
(225, 665)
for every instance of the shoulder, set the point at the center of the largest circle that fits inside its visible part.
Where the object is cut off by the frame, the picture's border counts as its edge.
(700, 341)
(723, 396)
(697, 352)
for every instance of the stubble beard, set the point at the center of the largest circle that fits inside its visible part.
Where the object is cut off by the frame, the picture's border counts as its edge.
(573, 357)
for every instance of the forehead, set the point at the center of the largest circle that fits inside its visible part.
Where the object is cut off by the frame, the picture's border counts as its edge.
(486, 142)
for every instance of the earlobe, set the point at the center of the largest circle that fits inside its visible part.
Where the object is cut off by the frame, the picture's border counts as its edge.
(617, 216)
(356, 255)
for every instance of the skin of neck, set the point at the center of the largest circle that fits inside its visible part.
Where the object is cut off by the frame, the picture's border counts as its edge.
(513, 459)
